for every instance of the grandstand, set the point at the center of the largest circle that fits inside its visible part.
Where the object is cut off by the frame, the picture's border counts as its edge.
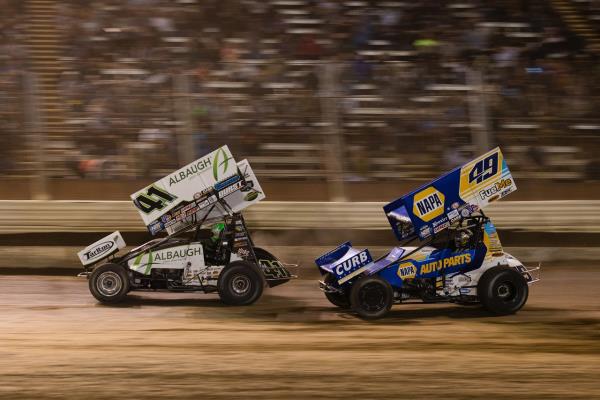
(120, 85)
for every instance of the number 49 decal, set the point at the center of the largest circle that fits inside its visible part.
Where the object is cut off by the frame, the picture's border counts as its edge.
(484, 169)
(153, 199)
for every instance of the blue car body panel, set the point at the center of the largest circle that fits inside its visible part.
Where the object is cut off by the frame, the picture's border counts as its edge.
(383, 262)
(437, 263)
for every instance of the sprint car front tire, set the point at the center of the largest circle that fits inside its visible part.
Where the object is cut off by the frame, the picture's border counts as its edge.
(240, 283)
(341, 300)
(502, 290)
(109, 283)
(371, 297)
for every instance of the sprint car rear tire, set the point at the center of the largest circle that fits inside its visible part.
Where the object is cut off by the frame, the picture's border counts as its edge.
(240, 283)
(371, 297)
(109, 283)
(341, 300)
(502, 290)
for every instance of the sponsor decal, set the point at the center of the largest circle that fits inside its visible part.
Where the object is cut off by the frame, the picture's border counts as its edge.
(243, 253)
(138, 266)
(174, 257)
(353, 263)
(492, 241)
(251, 196)
(227, 182)
(440, 225)
(99, 250)
(233, 188)
(192, 170)
(492, 191)
(428, 204)
(170, 255)
(407, 270)
(459, 259)
(221, 159)
(425, 231)
(453, 215)
(156, 227)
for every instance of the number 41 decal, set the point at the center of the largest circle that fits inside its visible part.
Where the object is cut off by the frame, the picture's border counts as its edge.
(153, 199)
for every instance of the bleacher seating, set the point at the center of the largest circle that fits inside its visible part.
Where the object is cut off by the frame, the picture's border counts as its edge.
(254, 74)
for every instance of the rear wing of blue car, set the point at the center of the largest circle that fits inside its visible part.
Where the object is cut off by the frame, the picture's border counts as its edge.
(344, 262)
(431, 208)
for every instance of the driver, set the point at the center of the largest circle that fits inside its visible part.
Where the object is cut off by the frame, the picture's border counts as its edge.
(211, 246)
(462, 238)
(216, 231)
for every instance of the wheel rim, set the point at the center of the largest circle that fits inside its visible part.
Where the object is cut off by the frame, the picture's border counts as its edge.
(240, 284)
(372, 297)
(109, 283)
(506, 291)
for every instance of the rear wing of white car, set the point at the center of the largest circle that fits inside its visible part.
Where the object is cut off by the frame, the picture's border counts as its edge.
(208, 188)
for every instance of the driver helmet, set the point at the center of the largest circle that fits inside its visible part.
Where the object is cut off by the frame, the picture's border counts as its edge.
(216, 230)
(462, 238)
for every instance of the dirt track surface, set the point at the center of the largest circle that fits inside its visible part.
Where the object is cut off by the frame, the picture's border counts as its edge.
(57, 342)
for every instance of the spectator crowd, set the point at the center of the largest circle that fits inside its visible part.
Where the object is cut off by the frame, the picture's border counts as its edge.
(413, 81)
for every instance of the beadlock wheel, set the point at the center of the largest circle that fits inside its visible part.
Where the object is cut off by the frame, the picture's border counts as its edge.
(109, 283)
(502, 290)
(506, 291)
(371, 297)
(240, 284)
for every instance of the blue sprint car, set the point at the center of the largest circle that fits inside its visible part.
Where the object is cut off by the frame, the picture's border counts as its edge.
(449, 250)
